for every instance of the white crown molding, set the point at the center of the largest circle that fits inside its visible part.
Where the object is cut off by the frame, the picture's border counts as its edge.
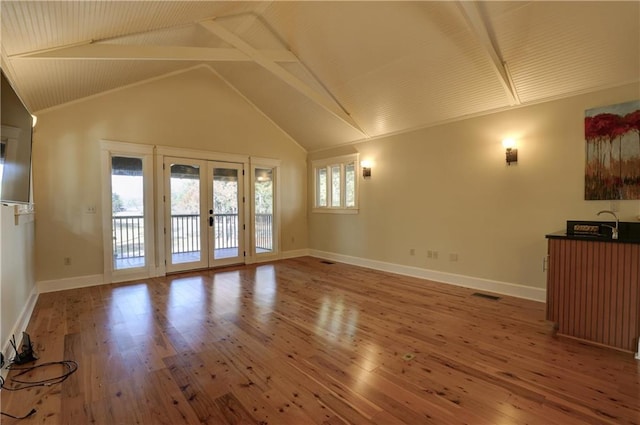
(117, 89)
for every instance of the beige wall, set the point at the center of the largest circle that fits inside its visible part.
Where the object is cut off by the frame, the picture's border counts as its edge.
(447, 189)
(17, 279)
(444, 188)
(193, 110)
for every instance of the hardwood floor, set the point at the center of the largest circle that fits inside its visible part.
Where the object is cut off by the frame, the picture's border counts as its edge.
(303, 342)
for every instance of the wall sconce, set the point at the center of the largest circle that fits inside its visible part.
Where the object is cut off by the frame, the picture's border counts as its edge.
(511, 151)
(366, 169)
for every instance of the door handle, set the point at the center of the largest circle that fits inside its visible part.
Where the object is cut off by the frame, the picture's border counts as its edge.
(210, 221)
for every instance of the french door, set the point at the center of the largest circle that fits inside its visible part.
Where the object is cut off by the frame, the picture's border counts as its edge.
(204, 214)
(128, 216)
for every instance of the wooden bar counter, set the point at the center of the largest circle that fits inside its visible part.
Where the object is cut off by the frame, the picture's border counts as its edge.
(593, 289)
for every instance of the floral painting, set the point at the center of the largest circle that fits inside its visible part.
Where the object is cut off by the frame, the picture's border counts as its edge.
(612, 135)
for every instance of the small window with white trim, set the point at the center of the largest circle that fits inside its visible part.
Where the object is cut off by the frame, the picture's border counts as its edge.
(336, 185)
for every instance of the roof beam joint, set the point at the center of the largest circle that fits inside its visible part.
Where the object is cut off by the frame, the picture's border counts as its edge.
(478, 26)
(327, 103)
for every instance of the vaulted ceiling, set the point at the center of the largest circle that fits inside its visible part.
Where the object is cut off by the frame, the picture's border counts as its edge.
(328, 73)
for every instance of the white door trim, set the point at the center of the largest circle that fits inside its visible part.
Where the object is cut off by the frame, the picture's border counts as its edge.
(110, 148)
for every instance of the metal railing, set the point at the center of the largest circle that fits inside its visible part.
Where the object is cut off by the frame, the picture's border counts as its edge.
(264, 232)
(226, 230)
(128, 236)
(128, 233)
(186, 233)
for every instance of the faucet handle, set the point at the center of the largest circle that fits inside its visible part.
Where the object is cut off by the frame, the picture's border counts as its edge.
(614, 231)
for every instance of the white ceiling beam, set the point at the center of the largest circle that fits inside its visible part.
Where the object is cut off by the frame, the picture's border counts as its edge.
(478, 26)
(103, 51)
(267, 63)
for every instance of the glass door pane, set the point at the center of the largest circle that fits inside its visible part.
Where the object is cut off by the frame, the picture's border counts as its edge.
(127, 206)
(226, 219)
(184, 228)
(263, 202)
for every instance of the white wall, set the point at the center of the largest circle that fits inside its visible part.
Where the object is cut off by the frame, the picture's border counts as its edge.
(194, 110)
(447, 189)
(17, 281)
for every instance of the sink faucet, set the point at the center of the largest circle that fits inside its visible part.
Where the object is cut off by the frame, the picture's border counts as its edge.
(614, 230)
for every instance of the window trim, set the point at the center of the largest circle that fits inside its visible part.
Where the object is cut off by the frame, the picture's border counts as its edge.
(273, 164)
(328, 163)
(109, 149)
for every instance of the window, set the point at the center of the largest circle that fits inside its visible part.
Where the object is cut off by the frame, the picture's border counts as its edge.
(263, 204)
(127, 216)
(265, 210)
(127, 209)
(336, 185)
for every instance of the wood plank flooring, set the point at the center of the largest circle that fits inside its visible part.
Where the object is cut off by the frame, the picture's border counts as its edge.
(303, 342)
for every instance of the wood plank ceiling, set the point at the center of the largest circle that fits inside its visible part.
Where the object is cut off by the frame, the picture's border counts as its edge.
(329, 73)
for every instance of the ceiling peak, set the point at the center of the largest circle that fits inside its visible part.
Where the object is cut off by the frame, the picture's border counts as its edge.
(476, 22)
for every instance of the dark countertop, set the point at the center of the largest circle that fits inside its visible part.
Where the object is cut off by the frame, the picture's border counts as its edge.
(629, 233)
(561, 234)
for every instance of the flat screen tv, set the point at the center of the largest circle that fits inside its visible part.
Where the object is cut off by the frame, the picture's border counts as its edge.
(15, 147)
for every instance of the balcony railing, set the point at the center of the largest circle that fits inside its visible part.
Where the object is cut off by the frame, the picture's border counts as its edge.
(186, 233)
(264, 232)
(225, 230)
(128, 234)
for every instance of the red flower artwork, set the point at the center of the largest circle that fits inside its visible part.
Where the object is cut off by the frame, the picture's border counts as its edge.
(612, 136)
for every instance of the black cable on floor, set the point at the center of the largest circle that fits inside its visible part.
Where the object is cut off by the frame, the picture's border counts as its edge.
(19, 417)
(10, 415)
(71, 366)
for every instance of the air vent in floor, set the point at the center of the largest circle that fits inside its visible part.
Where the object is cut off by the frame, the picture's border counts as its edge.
(487, 296)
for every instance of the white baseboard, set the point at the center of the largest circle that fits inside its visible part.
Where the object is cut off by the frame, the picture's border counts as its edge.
(504, 288)
(69, 283)
(295, 253)
(98, 279)
(19, 327)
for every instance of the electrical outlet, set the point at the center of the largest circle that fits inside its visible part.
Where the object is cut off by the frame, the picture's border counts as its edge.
(435, 255)
(67, 261)
(412, 251)
(90, 209)
(429, 254)
(453, 257)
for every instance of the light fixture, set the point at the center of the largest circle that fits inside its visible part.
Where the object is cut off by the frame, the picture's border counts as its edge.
(34, 120)
(511, 151)
(366, 169)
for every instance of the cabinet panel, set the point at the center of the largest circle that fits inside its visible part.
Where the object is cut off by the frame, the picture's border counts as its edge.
(593, 291)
